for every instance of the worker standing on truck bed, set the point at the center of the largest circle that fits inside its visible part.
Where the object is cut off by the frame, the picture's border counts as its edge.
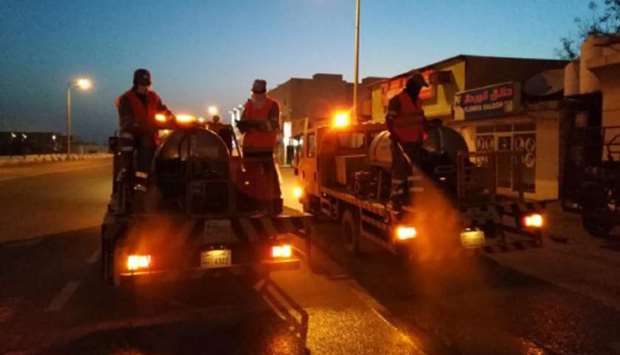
(406, 122)
(137, 108)
(260, 122)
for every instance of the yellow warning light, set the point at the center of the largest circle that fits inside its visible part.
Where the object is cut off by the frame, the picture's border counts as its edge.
(185, 119)
(298, 192)
(341, 120)
(161, 118)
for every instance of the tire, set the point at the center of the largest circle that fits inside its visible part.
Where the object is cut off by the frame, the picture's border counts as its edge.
(350, 230)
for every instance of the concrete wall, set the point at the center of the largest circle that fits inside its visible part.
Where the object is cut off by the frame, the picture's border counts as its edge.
(48, 158)
(547, 155)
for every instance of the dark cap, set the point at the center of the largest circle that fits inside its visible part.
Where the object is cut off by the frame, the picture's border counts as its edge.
(142, 77)
(259, 86)
(416, 80)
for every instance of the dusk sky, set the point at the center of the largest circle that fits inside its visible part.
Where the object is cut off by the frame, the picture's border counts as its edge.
(208, 52)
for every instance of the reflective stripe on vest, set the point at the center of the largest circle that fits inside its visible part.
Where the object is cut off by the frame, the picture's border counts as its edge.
(409, 122)
(259, 140)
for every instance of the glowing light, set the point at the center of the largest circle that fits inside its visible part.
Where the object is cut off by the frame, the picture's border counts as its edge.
(281, 251)
(406, 232)
(341, 120)
(472, 238)
(212, 110)
(298, 192)
(137, 262)
(84, 83)
(160, 117)
(534, 220)
(201, 120)
(185, 119)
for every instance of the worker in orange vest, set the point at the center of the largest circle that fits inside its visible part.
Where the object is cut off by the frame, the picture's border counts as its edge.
(406, 122)
(260, 123)
(137, 108)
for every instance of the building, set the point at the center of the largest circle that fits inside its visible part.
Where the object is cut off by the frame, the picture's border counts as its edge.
(590, 128)
(311, 100)
(595, 78)
(452, 75)
(483, 98)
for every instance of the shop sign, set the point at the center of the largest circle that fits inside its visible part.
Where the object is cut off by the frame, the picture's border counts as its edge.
(488, 101)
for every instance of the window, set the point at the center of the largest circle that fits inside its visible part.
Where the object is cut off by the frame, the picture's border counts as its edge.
(353, 140)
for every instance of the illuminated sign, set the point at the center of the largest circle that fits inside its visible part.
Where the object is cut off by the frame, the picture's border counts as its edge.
(488, 101)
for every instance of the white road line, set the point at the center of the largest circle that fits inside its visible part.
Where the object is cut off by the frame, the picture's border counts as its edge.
(94, 256)
(63, 296)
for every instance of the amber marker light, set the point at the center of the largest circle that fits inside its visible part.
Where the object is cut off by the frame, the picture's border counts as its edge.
(281, 251)
(138, 262)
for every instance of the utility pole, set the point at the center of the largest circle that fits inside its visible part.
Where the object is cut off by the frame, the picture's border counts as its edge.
(68, 120)
(357, 58)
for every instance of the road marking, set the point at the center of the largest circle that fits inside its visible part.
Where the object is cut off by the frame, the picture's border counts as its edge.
(94, 256)
(63, 296)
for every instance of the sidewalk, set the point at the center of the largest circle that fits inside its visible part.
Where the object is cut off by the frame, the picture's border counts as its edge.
(584, 264)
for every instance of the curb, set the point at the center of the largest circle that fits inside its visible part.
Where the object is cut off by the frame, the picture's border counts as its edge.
(47, 158)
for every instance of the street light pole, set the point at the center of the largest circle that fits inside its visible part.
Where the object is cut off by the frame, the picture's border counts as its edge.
(68, 119)
(357, 57)
(80, 83)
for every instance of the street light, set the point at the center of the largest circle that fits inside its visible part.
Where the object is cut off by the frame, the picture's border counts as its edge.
(212, 110)
(82, 84)
(356, 69)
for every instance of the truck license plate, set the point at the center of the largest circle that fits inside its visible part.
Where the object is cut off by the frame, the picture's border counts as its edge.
(472, 239)
(211, 259)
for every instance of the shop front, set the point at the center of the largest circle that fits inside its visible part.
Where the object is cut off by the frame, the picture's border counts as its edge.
(494, 119)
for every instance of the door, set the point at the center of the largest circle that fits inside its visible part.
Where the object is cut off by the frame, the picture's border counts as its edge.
(504, 162)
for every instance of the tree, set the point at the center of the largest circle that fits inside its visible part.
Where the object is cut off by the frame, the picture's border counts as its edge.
(605, 22)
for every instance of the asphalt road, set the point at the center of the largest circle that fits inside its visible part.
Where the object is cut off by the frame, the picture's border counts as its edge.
(52, 300)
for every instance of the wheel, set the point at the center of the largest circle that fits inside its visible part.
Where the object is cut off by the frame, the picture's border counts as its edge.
(350, 230)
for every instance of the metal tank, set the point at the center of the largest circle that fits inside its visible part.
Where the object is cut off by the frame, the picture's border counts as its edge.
(192, 168)
(441, 148)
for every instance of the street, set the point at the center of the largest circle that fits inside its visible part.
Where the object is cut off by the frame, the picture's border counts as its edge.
(52, 299)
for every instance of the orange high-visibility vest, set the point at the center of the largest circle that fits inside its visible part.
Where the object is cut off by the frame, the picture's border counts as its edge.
(409, 122)
(254, 140)
(144, 115)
